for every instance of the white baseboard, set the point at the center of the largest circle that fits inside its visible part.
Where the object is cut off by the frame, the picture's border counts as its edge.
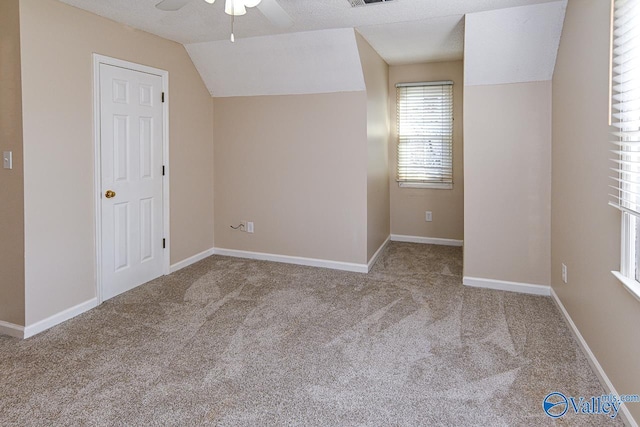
(501, 285)
(191, 260)
(311, 262)
(425, 240)
(11, 329)
(58, 318)
(595, 365)
(375, 256)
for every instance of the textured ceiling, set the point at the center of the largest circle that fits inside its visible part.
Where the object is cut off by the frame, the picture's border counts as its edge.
(427, 40)
(402, 31)
(513, 45)
(285, 64)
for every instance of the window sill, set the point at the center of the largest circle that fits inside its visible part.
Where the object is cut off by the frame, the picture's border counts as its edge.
(629, 284)
(425, 185)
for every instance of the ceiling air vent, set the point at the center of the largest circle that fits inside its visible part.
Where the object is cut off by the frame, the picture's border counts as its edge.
(358, 3)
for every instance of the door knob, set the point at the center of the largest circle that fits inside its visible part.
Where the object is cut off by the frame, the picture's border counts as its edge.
(109, 194)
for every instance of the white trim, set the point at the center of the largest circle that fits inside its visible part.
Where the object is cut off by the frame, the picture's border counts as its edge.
(311, 262)
(166, 205)
(432, 185)
(375, 256)
(97, 175)
(425, 240)
(414, 84)
(11, 329)
(101, 59)
(58, 318)
(501, 285)
(627, 255)
(591, 358)
(191, 260)
(632, 286)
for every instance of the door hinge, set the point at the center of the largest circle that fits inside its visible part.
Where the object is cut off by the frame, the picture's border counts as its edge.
(162, 96)
(162, 170)
(164, 243)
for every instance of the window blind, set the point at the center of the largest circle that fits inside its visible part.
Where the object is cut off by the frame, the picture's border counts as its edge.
(626, 106)
(425, 132)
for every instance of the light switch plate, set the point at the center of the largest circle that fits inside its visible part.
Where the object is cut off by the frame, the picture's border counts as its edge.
(7, 160)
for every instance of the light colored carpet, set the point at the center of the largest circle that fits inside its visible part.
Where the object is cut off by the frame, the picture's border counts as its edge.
(238, 342)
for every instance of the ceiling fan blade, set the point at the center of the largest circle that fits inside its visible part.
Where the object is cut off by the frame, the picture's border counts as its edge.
(171, 5)
(275, 13)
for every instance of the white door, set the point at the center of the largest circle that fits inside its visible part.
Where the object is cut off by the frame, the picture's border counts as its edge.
(131, 150)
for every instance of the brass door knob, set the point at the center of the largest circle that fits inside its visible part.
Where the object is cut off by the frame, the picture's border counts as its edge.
(109, 194)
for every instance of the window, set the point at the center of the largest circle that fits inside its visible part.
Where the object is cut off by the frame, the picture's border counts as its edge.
(425, 134)
(625, 109)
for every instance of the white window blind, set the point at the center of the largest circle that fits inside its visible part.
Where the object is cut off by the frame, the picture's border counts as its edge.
(626, 106)
(425, 133)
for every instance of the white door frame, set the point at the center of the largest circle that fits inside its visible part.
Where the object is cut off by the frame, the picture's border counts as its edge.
(97, 176)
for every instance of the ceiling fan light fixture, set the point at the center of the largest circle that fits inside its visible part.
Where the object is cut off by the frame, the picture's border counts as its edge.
(235, 7)
(231, 7)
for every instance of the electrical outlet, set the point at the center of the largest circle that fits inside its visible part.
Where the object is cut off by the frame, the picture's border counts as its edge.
(7, 160)
(249, 227)
(564, 273)
(428, 216)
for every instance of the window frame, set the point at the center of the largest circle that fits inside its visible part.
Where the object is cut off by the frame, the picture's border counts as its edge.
(628, 254)
(424, 184)
(630, 221)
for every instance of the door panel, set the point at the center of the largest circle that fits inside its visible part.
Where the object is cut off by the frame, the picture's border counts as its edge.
(120, 147)
(146, 230)
(146, 148)
(121, 239)
(131, 161)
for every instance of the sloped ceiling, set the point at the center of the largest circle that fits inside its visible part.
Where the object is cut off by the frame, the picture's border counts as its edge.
(513, 45)
(298, 63)
(506, 40)
(427, 40)
(402, 31)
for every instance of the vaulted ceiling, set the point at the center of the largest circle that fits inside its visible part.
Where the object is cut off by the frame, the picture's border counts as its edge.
(401, 31)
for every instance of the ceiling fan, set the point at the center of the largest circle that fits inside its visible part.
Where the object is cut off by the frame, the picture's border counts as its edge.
(269, 8)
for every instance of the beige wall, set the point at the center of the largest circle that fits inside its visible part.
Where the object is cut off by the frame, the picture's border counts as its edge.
(586, 232)
(57, 77)
(507, 182)
(296, 166)
(11, 181)
(376, 77)
(408, 205)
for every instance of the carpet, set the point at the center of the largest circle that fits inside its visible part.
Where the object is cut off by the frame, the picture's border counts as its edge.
(236, 342)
